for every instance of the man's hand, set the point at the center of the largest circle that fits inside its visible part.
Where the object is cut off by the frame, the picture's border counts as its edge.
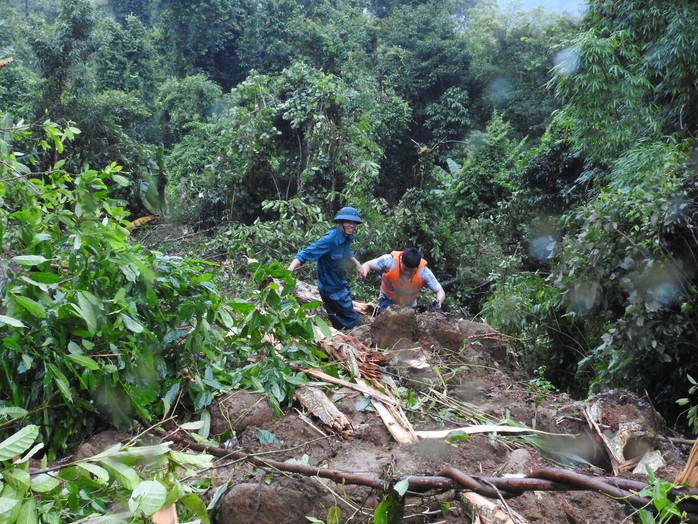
(294, 264)
(360, 272)
(435, 304)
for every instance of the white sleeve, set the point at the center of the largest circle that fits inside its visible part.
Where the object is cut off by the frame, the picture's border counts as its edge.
(430, 280)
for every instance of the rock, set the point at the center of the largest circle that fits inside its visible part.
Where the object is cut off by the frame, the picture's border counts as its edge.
(101, 441)
(653, 460)
(284, 501)
(238, 410)
(517, 463)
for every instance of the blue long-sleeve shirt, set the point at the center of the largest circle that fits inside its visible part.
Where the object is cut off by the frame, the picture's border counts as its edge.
(333, 254)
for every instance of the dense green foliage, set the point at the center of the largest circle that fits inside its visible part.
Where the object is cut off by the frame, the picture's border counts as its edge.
(138, 480)
(545, 167)
(618, 307)
(98, 331)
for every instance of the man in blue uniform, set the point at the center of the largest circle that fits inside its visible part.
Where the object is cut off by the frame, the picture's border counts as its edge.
(334, 258)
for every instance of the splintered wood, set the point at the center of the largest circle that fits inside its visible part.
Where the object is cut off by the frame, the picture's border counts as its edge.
(316, 402)
(689, 475)
(364, 364)
(167, 515)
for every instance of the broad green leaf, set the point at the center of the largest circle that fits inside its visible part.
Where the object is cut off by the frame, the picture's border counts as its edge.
(226, 318)
(131, 324)
(267, 437)
(44, 277)
(148, 497)
(12, 412)
(43, 287)
(381, 514)
(34, 308)
(9, 321)
(8, 506)
(334, 515)
(202, 399)
(402, 486)
(241, 308)
(199, 460)
(87, 311)
(169, 398)
(196, 506)
(29, 454)
(148, 454)
(206, 419)
(218, 495)
(121, 180)
(321, 329)
(27, 362)
(310, 305)
(101, 474)
(29, 260)
(17, 478)
(94, 300)
(197, 424)
(123, 474)
(84, 361)
(19, 442)
(61, 382)
(110, 451)
(44, 483)
(145, 272)
(28, 514)
(74, 348)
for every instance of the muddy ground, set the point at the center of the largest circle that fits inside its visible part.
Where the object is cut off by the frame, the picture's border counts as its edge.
(448, 373)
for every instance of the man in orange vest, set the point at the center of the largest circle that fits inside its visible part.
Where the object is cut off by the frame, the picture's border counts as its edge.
(404, 275)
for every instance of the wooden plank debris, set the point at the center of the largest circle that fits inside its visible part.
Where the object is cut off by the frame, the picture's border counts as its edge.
(361, 388)
(316, 402)
(689, 475)
(485, 428)
(166, 515)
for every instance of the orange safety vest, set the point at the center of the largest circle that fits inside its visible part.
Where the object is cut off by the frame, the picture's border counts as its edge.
(402, 292)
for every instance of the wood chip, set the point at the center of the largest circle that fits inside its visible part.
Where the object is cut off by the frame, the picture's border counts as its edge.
(166, 515)
(480, 509)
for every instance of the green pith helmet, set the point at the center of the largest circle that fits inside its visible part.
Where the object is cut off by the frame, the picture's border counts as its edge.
(348, 213)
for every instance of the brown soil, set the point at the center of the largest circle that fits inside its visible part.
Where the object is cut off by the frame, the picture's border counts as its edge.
(468, 374)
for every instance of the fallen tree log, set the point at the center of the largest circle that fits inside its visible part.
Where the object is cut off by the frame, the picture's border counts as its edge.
(545, 479)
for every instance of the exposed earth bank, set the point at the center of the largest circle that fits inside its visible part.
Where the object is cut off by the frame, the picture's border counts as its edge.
(446, 373)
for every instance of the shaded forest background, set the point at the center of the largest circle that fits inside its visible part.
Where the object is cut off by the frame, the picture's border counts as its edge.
(544, 165)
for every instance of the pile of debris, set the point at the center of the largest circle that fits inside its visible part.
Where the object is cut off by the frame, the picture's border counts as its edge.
(437, 417)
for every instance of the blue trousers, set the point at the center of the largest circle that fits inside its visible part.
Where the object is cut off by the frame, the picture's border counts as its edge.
(340, 308)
